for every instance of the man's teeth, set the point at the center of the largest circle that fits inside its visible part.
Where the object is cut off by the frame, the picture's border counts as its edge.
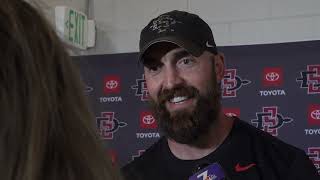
(178, 99)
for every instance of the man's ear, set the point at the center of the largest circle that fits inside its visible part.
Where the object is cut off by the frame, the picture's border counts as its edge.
(219, 66)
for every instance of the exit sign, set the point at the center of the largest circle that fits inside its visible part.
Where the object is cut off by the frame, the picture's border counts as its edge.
(72, 26)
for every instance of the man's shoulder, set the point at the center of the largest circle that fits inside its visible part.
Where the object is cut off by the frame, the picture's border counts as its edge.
(262, 135)
(269, 147)
(265, 139)
(273, 153)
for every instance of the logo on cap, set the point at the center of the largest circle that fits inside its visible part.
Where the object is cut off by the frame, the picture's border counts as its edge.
(163, 23)
(209, 45)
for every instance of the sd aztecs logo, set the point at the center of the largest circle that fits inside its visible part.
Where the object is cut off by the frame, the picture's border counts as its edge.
(231, 83)
(140, 152)
(314, 155)
(108, 125)
(270, 120)
(141, 89)
(310, 79)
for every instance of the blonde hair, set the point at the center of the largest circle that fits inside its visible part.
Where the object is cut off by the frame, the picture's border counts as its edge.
(46, 128)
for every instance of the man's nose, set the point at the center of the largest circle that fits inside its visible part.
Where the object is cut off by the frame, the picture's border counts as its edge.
(172, 78)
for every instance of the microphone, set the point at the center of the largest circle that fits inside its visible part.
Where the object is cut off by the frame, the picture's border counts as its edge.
(208, 171)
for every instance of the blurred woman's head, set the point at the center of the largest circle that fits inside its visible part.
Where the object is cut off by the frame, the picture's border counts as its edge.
(46, 129)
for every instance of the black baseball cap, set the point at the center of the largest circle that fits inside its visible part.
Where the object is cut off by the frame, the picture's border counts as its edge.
(184, 29)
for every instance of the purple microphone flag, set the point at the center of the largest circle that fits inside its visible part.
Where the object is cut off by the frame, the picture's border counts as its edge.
(211, 172)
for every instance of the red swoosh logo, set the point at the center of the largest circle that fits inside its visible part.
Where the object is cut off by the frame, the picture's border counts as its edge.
(240, 168)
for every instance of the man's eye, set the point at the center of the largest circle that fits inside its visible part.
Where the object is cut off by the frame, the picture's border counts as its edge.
(154, 69)
(185, 61)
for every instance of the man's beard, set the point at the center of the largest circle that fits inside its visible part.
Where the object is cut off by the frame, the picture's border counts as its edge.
(185, 126)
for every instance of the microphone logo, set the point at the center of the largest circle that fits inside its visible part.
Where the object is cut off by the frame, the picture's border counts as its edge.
(211, 172)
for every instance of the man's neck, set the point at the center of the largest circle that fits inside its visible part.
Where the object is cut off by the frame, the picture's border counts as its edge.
(217, 135)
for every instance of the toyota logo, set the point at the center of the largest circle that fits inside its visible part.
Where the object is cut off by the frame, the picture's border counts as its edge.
(230, 114)
(148, 119)
(316, 114)
(272, 76)
(111, 84)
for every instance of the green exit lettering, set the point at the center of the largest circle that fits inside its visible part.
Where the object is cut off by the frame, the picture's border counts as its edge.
(76, 27)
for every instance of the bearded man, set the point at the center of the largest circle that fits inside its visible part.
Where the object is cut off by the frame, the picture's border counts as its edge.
(183, 70)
